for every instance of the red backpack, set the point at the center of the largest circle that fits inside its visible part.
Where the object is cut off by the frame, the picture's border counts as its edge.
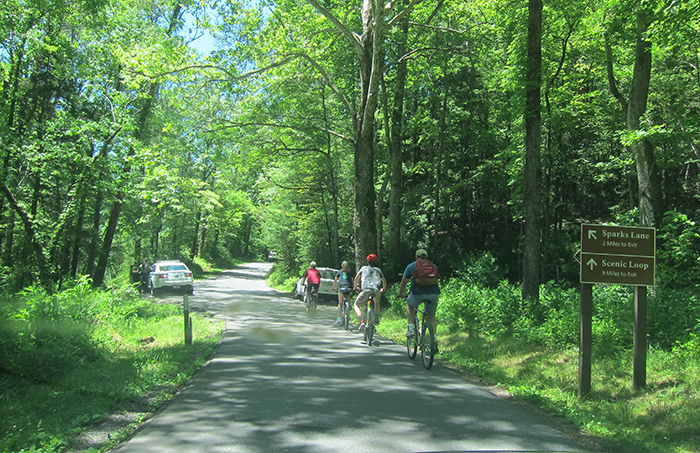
(425, 273)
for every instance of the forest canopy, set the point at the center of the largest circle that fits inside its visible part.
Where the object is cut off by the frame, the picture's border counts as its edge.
(328, 130)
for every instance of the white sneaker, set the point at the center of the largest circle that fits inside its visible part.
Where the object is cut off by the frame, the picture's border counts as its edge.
(411, 331)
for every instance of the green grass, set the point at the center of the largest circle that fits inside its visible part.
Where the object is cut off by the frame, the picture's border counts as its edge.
(662, 418)
(130, 358)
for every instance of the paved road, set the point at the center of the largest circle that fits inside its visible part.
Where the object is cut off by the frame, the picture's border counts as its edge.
(283, 381)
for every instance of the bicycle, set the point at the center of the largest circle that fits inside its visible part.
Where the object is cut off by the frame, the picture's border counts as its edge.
(370, 323)
(310, 302)
(424, 338)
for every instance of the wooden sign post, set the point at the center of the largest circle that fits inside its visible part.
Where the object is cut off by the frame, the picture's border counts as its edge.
(188, 320)
(621, 256)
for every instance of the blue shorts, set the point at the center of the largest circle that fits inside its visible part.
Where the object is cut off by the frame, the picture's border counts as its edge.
(430, 308)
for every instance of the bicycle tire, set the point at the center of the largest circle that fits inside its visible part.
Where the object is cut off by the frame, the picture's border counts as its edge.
(427, 345)
(412, 343)
(369, 330)
(312, 305)
(346, 315)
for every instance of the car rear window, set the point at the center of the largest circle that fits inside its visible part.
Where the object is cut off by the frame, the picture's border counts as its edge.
(173, 268)
(328, 274)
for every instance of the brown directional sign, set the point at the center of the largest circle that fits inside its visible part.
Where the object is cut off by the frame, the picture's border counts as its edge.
(618, 255)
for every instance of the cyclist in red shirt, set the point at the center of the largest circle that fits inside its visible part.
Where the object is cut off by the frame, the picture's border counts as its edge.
(313, 279)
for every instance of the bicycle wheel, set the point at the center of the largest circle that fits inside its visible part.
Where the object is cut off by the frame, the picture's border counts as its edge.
(412, 343)
(369, 330)
(346, 316)
(427, 344)
(314, 296)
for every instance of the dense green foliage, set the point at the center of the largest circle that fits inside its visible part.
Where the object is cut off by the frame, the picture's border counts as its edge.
(303, 133)
(130, 144)
(69, 360)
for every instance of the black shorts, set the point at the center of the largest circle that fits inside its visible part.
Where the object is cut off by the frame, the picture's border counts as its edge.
(312, 286)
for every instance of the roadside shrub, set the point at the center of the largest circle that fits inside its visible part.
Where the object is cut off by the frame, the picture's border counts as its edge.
(482, 270)
(672, 316)
(678, 253)
(557, 321)
(476, 309)
(43, 335)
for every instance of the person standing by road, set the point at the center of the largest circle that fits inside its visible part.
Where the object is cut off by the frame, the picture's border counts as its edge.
(373, 282)
(144, 270)
(424, 276)
(343, 283)
(313, 279)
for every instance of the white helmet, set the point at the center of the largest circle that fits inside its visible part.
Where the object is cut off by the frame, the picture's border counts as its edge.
(312, 264)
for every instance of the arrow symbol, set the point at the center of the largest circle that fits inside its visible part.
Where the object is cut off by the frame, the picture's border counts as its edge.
(592, 263)
(592, 234)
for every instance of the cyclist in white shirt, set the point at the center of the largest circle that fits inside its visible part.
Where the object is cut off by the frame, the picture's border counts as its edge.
(372, 282)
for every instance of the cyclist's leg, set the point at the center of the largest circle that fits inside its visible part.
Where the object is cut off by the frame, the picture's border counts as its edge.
(431, 309)
(377, 301)
(377, 305)
(340, 306)
(360, 301)
(412, 302)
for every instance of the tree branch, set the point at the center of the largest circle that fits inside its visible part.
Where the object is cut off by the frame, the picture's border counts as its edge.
(353, 37)
(232, 124)
(405, 11)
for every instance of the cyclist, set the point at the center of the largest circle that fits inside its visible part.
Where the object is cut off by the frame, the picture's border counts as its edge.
(343, 283)
(313, 279)
(419, 293)
(373, 282)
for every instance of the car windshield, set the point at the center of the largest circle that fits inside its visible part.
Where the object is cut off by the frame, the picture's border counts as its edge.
(173, 267)
(328, 274)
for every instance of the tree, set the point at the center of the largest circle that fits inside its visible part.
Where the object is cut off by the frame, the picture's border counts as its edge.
(532, 179)
(634, 107)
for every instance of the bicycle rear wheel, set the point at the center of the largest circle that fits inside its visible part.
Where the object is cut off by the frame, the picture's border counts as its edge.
(369, 329)
(314, 297)
(427, 345)
(346, 315)
(412, 343)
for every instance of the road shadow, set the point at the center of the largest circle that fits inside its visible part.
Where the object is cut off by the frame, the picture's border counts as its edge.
(284, 380)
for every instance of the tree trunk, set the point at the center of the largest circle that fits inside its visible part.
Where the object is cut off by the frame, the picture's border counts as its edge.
(333, 184)
(371, 66)
(648, 178)
(395, 156)
(194, 249)
(92, 252)
(37, 250)
(533, 174)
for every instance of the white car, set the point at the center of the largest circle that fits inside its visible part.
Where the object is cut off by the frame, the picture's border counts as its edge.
(170, 275)
(324, 289)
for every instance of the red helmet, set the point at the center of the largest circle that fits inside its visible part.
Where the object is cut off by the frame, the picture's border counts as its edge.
(372, 258)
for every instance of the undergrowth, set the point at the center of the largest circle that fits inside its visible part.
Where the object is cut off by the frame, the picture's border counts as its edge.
(69, 360)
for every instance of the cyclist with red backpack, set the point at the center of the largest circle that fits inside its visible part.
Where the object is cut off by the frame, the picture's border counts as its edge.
(424, 278)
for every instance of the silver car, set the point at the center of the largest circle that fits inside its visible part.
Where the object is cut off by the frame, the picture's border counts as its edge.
(170, 275)
(324, 289)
